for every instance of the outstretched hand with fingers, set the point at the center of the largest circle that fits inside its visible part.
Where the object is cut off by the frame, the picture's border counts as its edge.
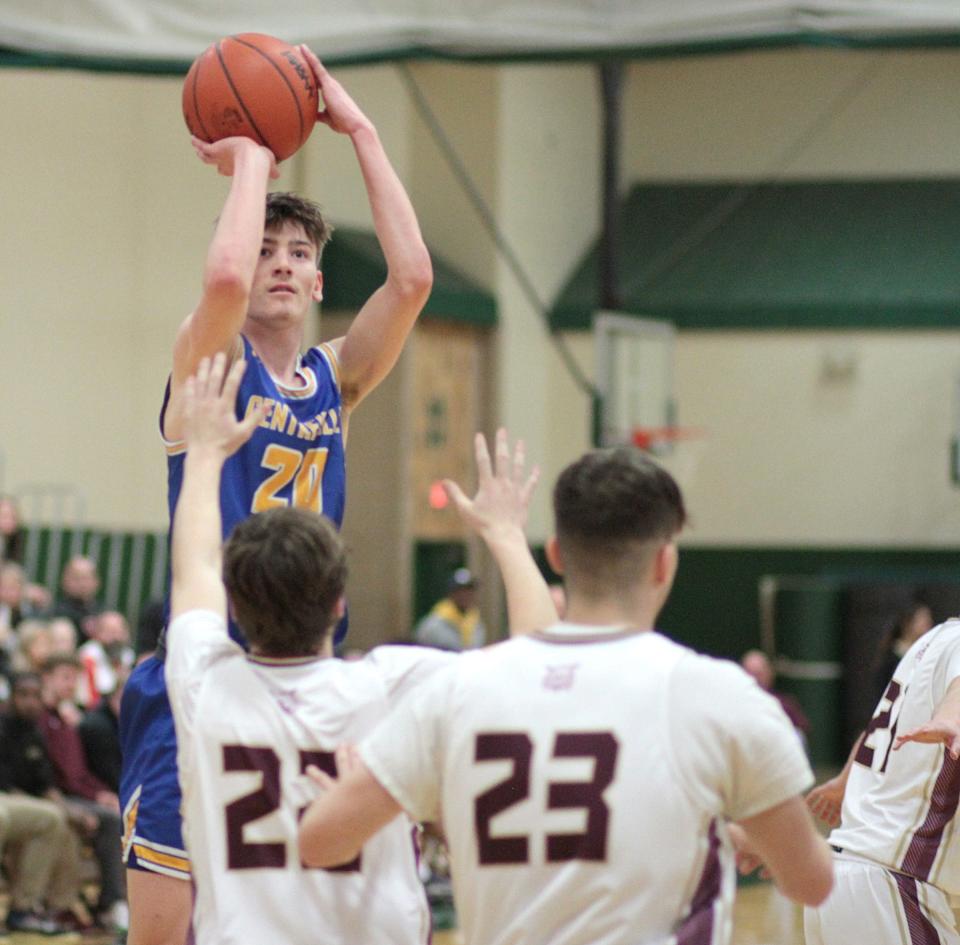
(210, 419)
(504, 488)
(936, 731)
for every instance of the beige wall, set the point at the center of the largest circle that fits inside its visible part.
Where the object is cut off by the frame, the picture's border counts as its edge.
(802, 113)
(793, 454)
(107, 215)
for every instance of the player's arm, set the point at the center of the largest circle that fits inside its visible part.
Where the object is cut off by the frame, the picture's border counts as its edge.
(229, 267)
(352, 808)
(498, 514)
(376, 337)
(943, 727)
(785, 840)
(212, 434)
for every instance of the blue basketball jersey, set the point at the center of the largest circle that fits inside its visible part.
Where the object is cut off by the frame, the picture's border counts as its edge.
(295, 456)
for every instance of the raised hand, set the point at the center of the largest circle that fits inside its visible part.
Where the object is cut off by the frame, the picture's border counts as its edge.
(225, 153)
(503, 489)
(340, 113)
(210, 420)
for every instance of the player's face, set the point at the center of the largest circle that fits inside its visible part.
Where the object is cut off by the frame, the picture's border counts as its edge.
(286, 280)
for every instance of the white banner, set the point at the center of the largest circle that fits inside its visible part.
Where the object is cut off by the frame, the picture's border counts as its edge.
(181, 29)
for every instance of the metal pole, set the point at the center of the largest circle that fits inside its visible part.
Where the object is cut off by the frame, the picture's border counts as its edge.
(611, 84)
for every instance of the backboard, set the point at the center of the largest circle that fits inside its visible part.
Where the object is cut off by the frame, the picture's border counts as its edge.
(635, 378)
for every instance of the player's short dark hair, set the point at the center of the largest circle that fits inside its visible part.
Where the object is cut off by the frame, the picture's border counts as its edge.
(285, 571)
(612, 507)
(285, 208)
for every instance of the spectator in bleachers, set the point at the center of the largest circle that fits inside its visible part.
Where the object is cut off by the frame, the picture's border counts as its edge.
(13, 536)
(108, 646)
(79, 585)
(63, 636)
(454, 621)
(36, 835)
(81, 787)
(99, 731)
(18, 599)
(758, 665)
(33, 646)
(905, 629)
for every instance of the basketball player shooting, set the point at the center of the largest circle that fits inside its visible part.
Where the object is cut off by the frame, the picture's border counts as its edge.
(261, 278)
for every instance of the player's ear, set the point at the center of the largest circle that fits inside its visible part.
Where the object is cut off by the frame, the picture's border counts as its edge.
(665, 564)
(554, 558)
(317, 294)
(341, 607)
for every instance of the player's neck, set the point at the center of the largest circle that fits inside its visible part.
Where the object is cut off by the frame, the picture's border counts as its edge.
(640, 613)
(279, 350)
(324, 651)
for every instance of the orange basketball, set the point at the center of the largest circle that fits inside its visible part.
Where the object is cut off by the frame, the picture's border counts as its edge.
(255, 86)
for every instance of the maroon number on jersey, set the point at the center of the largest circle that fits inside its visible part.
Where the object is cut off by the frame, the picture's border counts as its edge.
(242, 854)
(882, 720)
(517, 747)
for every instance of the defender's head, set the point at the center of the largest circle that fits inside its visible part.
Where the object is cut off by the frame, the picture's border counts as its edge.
(285, 208)
(285, 571)
(617, 514)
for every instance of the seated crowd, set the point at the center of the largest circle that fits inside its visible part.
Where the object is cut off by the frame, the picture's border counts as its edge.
(63, 664)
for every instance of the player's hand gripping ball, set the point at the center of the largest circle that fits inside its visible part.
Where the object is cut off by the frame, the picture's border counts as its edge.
(254, 86)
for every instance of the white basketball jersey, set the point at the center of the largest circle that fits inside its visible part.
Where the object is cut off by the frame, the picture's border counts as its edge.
(900, 807)
(583, 777)
(246, 731)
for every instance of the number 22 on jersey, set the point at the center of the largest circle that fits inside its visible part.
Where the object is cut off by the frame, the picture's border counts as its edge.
(304, 470)
(243, 854)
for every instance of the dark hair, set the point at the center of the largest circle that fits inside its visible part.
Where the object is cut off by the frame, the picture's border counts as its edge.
(58, 660)
(285, 570)
(285, 208)
(612, 505)
(26, 676)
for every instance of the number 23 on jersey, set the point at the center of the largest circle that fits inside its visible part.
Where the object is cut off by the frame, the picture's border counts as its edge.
(517, 747)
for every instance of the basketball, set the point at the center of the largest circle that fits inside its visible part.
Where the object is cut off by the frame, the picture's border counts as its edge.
(255, 86)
